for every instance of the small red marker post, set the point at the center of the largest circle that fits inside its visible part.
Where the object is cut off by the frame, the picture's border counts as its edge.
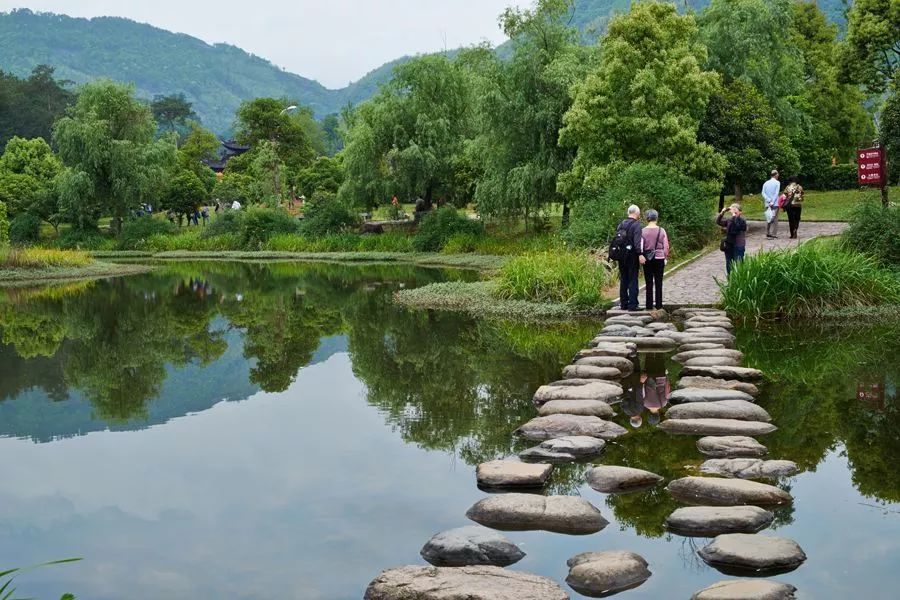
(871, 171)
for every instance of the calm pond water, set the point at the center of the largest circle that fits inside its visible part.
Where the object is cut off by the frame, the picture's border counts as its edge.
(282, 431)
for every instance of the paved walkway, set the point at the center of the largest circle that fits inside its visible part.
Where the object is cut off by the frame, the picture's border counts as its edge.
(695, 284)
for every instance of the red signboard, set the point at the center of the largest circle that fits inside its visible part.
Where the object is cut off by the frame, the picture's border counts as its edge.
(870, 166)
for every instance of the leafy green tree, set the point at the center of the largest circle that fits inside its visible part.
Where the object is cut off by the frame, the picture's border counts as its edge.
(643, 102)
(107, 141)
(334, 140)
(325, 174)
(199, 144)
(266, 119)
(408, 140)
(521, 111)
(172, 112)
(28, 169)
(234, 186)
(750, 39)
(4, 225)
(186, 192)
(872, 48)
(29, 107)
(889, 131)
(741, 126)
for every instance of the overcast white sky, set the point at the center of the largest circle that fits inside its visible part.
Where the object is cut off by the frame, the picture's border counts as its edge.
(333, 41)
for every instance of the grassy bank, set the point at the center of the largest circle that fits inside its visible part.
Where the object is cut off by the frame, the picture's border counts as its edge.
(39, 265)
(822, 206)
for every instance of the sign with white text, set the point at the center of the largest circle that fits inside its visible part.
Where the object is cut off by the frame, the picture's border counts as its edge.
(870, 166)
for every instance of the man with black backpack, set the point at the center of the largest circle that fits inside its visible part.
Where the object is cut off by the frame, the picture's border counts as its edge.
(627, 250)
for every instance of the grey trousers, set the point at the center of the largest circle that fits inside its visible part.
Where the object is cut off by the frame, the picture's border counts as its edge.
(772, 227)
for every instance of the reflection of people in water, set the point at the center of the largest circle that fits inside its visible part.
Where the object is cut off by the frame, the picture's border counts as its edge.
(633, 400)
(655, 386)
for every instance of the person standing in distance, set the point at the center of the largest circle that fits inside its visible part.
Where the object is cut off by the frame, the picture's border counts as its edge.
(627, 249)
(770, 191)
(735, 242)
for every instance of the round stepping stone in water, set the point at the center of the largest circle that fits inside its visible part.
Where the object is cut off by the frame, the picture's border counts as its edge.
(554, 426)
(588, 372)
(707, 395)
(616, 362)
(730, 446)
(701, 346)
(571, 382)
(512, 474)
(719, 325)
(611, 479)
(642, 332)
(709, 321)
(724, 409)
(619, 330)
(662, 327)
(715, 352)
(589, 408)
(471, 583)
(617, 349)
(565, 449)
(712, 361)
(749, 468)
(747, 589)
(642, 343)
(743, 553)
(726, 492)
(739, 373)
(716, 427)
(598, 574)
(528, 512)
(708, 329)
(711, 383)
(710, 521)
(597, 390)
(472, 545)
(684, 344)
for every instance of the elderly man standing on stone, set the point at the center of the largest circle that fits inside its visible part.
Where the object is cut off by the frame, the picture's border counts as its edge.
(770, 192)
(627, 249)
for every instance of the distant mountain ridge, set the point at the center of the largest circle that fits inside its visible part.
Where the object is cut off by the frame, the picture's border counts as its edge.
(216, 78)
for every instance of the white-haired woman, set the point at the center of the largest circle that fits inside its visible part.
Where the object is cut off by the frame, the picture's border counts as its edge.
(656, 252)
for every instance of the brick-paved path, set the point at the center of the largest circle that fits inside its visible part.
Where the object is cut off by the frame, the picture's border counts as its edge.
(695, 284)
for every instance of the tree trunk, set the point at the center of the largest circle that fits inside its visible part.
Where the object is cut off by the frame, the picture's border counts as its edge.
(565, 215)
(526, 219)
(884, 196)
(722, 199)
(738, 193)
(429, 194)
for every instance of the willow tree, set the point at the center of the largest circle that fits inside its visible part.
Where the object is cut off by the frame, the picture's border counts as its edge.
(521, 111)
(643, 102)
(114, 164)
(408, 140)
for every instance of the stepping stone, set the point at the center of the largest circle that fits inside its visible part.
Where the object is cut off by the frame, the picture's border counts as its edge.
(597, 390)
(747, 589)
(626, 366)
(740, 410)
(642, 332)
(554, 426)
(706, 310)
(721, 325)
(712, 361)
(604, 349)
(642, 343)
(749, 468)
(571, 382)
(589, 408)
(610, 479)
(697, 335)
(454, 583)
(589, 372)
(707, 395)
(711, 383)
(716, 427)
(512, 474)
(620, 330)
(739, 373)
(709, 321)
(605, 573)
(716, 353)
(565, 449)
(529, 512)
(707, 329)
(736, 553)
(472, 545)
(619, 312)
(730, 446)
(726, 492)
(710, 521)
(662, 327)
(701, 346)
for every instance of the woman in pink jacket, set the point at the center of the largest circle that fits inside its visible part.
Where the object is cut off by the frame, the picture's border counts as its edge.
(656, 251)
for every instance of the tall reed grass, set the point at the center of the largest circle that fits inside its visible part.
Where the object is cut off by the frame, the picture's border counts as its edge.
(42, 258)
(807, 282)
(553, 277)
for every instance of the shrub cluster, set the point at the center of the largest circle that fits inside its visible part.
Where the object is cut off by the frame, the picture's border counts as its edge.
(834, 177)
(440, 225)
(553, 277)
(25, 228)
(875, 230)
(137, 232)
(251, 228)
(807, 282)
(324, 215)
(4, 226)
(85, 240)
(685, 207)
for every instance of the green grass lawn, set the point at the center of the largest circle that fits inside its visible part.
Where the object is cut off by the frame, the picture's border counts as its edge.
(822, 206)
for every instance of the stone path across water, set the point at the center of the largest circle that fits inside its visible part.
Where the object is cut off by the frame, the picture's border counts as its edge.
(695, 284)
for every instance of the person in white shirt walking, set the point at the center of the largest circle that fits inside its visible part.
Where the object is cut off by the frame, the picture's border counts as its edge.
(770, 192)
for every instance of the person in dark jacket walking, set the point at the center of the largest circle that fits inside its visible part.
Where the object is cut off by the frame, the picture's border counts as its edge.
(793, 205)
(632, 258)
(735, 242)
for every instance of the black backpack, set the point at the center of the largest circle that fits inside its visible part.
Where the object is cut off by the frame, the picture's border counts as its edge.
(620, 245)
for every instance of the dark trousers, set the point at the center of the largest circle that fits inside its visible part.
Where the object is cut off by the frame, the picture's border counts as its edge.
(793, 213)
(628, 282)
(733, 255)
(653, 277)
